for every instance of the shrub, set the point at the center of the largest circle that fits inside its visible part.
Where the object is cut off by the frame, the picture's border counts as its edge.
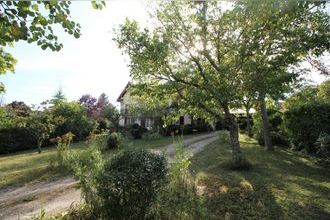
(136, 131)
(102, 125)
(173, 130)
(16, 139)
(203, 127)
(86, 165)
(114, 140)
(188, 129)
(62, 147)
(305, 123)
(129, 182)
(74, 119)
(179, 200)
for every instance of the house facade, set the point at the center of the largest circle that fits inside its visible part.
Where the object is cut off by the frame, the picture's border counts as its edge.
(127, 118)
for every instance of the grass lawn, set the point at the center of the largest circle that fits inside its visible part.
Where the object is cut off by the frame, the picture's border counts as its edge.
(280, 185)
(29, 166)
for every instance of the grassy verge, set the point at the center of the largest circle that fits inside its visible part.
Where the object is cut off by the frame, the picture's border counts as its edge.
(29, 166)
(281, 184)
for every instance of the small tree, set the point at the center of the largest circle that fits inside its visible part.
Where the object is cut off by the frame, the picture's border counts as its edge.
(41, 126)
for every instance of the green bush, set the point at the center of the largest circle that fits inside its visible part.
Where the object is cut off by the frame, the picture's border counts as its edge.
(173, 130)
(114, 140)
(129, 183)
(188, 129)
(86, 165)
(74, 119)
(16, 139)
(305, 123)
(203, 127)
(179, 199)
(137, 131)
(102, 125)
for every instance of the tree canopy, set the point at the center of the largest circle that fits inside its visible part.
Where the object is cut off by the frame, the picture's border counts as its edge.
(204, 56)
(34, 21)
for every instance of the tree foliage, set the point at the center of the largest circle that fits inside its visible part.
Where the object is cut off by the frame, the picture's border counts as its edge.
(278, 35)
(187, 59)
(34, 21)
(41, 126)
(306, 122)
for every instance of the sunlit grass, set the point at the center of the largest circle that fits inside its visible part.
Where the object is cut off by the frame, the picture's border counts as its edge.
(281, 184)
(29, 166)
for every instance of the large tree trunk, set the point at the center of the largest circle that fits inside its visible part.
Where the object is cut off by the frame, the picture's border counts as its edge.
(233, 131)
(266, 126)
(248, 122)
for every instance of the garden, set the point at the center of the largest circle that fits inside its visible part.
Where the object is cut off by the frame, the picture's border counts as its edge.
(242, 69)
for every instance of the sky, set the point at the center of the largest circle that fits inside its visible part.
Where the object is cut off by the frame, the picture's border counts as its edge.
(91, 64)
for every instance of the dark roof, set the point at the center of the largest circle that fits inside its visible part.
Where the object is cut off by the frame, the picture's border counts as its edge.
(120, 98)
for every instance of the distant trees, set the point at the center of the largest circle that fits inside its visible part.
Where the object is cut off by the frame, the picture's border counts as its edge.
(24, 128)
(89, 103)
(100, 110)
(19, 109)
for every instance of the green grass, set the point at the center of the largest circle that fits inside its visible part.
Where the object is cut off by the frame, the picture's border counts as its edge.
(280, 185)
(147, 144)
(29, 166)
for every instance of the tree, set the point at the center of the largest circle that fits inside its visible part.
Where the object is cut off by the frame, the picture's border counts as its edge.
(306, 94)
(34, 21)
(90, 103)
(277, 35)
(102, 101)
(111, 113)
(7, 63)
(247, 104)
(41, 126)
(323, 92)
(189, 58)
(19, 109)
(309, 94)
(73, 118)
(58, 97)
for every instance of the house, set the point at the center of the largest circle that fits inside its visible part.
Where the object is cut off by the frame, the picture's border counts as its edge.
(127, 118)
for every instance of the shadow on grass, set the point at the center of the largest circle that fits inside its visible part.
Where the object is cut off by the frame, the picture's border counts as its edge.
(280, 185)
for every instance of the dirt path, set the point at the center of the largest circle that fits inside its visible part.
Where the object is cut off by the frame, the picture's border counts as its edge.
(24, 202)
(56, 196)
(191, 145)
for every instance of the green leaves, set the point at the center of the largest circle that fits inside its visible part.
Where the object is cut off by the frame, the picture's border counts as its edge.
(99, 5)
(28, 21)
(35, 7)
